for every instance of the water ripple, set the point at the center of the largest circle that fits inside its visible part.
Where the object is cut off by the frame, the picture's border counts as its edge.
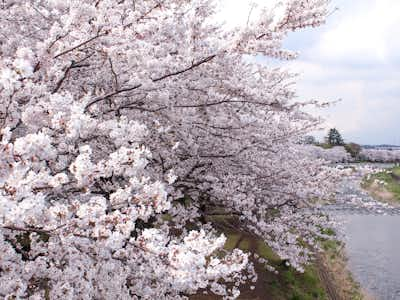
(372, 232)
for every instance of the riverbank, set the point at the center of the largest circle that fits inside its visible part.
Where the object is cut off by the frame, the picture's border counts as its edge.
(327, 278)
(337, 279)
(384, 186)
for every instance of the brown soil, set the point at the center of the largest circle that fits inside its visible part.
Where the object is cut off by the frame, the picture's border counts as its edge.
(337, 279)
(327, 278)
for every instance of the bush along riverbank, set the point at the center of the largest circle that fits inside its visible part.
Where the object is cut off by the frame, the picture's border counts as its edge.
(384, 185)
(326, 278)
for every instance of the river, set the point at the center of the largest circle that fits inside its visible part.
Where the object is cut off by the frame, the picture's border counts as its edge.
(373, 249)
(372, 234)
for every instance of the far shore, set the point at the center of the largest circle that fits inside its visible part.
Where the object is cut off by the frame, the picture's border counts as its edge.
(384, 186)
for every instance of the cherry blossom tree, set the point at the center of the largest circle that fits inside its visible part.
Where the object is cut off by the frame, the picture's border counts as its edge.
(380, 155)
(124, 121)
(336, 154)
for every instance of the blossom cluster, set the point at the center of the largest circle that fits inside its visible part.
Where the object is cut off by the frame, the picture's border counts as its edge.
(78, 209)
(125, 123)
(337, 154)
(379, 155)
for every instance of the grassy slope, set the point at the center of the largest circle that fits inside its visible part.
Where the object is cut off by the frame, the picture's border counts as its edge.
(390, 192)
(334, 262)
(287, 283)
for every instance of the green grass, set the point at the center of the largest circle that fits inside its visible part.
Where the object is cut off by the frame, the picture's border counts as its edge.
(392, 179)
(231, 241)
(324, 145)
(286, 283)
(289, 283)
(167, 217)
(328, 231)
(266, 252)
(244, 245)
(303, 286)
(396, 171)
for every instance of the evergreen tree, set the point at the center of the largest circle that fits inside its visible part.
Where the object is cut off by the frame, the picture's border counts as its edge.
(334, 138)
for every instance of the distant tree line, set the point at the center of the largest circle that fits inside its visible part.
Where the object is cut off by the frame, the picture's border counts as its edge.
(335, 139)
(335, 149)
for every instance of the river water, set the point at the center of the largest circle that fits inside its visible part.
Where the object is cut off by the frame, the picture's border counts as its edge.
(373, 249)
(372, 235)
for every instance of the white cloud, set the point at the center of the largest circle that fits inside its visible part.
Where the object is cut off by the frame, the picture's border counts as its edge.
(363, 33)
(346, 114)
(354, 57)
(370, 103)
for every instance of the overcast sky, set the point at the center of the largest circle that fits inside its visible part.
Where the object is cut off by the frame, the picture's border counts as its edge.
(354, 57)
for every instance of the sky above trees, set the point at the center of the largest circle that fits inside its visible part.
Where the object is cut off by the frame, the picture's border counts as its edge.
(355, 57)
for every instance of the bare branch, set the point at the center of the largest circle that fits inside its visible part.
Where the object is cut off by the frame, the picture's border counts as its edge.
(114, 74)
(32, 229)
(79, 45)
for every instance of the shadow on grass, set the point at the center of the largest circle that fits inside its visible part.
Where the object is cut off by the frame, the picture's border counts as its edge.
(286, 283)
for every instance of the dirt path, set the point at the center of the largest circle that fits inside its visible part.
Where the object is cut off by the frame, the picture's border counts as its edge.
(327, 279)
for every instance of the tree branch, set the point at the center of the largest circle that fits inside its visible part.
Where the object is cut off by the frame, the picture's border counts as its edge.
(32, 229)
(79, 45)
(128, 89)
